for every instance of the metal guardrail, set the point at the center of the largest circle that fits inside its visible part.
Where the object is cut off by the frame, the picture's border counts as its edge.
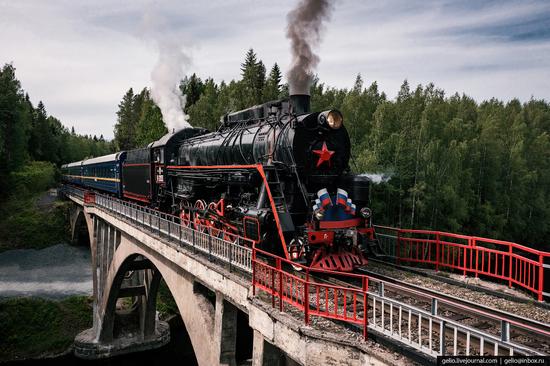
(435, 335)
(429, 331)
(515, 264)
(237, 253)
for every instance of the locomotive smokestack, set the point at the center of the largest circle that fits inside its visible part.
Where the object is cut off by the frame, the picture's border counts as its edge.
(300, 102)
(305, 23)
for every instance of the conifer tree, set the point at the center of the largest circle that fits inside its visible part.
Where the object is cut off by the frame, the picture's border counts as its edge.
(150, 126)
(272, 89)
(126, 123)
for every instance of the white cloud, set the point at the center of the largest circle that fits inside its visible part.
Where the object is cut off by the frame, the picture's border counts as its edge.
(80, 57)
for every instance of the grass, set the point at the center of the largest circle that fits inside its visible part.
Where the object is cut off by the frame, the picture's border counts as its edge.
(33, 327)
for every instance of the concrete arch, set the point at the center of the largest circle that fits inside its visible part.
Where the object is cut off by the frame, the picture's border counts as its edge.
(81, 227)
(197, 313)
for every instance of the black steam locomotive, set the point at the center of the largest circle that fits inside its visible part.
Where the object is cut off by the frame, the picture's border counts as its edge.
(275, 173)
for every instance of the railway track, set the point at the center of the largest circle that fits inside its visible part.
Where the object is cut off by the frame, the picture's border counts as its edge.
(511, 325)
(431, 324)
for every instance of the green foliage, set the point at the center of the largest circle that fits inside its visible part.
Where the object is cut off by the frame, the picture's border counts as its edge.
(34, 177)
(150, 126)
(192, 88)
(272, 88)
(28, 133)
(32, 327)
(125, 128)
(253, 80)
(24, 225)
(166, 305)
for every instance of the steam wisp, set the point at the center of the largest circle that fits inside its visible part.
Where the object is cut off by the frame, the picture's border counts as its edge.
(305, 23)
(166, 76)
(168, 71)
(377, 178)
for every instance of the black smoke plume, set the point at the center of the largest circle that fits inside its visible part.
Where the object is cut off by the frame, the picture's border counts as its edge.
(305, 23)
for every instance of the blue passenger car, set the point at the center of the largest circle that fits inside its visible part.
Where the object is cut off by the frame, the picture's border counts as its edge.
(72, 173)
(104, 173)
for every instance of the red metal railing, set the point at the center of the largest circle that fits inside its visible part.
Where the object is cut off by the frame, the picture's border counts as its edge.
(276, 276)
(89, 198)
(515, 264)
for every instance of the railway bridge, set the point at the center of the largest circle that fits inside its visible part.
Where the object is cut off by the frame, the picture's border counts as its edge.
(228, 293)
(210, 280)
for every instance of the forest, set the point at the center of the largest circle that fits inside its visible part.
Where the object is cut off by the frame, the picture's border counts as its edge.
(450, 163)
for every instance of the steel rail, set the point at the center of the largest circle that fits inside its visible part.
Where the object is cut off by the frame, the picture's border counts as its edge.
(472, 308)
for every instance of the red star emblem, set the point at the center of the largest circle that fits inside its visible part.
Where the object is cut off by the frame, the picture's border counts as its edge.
(324, 155)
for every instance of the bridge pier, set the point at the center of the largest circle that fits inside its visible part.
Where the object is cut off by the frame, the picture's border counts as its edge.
(114, 331)
(267, 354)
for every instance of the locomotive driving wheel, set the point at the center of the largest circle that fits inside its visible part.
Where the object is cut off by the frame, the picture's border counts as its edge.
(198, 221)
(213, 224)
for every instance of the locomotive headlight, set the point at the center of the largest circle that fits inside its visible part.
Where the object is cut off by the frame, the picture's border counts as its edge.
(332, 119)
(335, 119)
(366, 212)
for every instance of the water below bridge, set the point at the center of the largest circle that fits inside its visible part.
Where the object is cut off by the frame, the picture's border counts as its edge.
(64, 270)
(54, 272)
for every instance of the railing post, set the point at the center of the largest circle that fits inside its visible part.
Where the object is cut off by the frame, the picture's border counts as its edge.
(230, 257)
(464, 254)
(365, 307)
(279, 269)
(434, 306)
(474, 246)
(442, 338)
(273, 271)
(540, 290)
(437, 251)
(504, 331)
(398, 246)
(510, 265)
(209, 246)
(381, 289)
(193, 240)
(306, 298)
(253, 270)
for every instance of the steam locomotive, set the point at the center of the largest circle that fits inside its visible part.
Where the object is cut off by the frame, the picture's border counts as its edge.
(274, 173)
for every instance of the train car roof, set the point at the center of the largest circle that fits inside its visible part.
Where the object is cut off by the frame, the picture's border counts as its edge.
(104, 159)
(70, 165)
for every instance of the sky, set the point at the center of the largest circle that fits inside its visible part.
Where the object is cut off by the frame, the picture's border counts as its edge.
(80, 57)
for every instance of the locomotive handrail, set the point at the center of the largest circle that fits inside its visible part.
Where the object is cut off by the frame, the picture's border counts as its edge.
(526, 270)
